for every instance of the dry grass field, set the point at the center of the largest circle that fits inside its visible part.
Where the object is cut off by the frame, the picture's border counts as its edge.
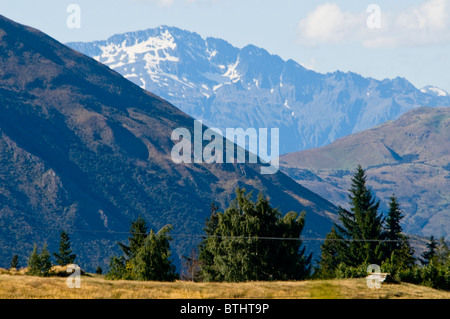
(20, 286)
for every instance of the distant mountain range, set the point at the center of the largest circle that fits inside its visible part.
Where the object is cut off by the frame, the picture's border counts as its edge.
(409, 157)
(225, 86)
(84, 150)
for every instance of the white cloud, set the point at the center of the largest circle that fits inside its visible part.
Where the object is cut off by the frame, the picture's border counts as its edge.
(328, 23)
(430, 15)
(424, 24)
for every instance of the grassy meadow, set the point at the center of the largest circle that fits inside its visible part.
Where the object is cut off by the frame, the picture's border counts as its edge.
(20, 286)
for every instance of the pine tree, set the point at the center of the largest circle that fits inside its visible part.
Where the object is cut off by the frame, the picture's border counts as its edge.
(65, 256)
(39, 264)
(34, 263)
(208, 248)
(46, 263)
(395, 240)
(361, 226)
(138, 232)
(442, 252)
(294, 263)
(394, 229)
(330, 257)
(238, 244)
(147, 257)
(152, 259)
(14, 262)
(430, 253)
(404, 255)
(117, 269)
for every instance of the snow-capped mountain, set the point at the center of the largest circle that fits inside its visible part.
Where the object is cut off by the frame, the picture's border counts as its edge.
(225, 86)
(433, 90)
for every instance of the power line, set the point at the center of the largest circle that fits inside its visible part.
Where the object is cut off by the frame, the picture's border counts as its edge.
(224, 236)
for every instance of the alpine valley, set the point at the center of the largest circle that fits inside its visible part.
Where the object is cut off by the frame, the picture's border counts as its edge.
(83, 149)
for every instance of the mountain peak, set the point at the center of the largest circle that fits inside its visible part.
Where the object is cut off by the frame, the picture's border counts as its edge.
(211, 79)
(433, 90)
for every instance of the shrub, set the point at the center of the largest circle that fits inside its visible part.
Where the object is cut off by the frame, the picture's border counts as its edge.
(433, 275)
(343, 271)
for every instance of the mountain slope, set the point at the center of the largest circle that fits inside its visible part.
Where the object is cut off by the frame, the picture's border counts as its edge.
(85, 150)
(225, 86)
(409, 157)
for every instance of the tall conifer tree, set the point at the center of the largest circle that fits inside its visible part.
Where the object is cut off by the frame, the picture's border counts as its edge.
(395, 240)
(39, 264)
(64, 255)
(138, 232)
(147, 257)
(152, 260)
(361, 226)
(34, 262)
(45, 259)
(245, 242)
(331, 254)
(430, 253)
(14, 262)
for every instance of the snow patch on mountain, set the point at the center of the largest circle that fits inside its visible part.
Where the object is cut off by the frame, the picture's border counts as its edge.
(434, 90)
(226, 86)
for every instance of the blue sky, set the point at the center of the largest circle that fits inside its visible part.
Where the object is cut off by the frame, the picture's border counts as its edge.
(403, 38)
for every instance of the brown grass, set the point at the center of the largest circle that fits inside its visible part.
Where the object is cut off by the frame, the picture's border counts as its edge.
(17, 285)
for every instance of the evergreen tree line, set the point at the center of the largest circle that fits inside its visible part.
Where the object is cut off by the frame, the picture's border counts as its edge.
(40, 263)
(146, 257)
(238, 245)
(254, 241)
(363, 237)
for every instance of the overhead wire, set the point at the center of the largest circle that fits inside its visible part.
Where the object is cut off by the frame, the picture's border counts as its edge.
(301, 238)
